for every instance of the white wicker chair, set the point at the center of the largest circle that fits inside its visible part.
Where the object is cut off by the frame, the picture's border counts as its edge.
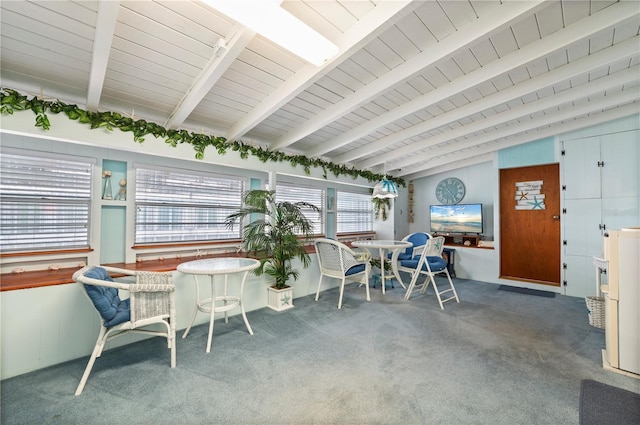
(151, 301)
(429, 264)
(341, 262)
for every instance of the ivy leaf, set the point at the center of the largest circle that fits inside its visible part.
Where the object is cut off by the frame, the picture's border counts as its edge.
(43, 122)
(55, 107)
(83, 117)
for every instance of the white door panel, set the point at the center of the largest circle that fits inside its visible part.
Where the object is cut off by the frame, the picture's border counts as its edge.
(580, 276)
(580, 171)
(621, 156)
(581, 227)
(621, 212)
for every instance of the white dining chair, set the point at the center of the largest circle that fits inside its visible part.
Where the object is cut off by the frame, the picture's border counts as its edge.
(429, 264)
(151, 301)
(338, 261)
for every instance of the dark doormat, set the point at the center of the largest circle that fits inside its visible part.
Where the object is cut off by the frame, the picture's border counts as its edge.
(602, 404)
(527, 291)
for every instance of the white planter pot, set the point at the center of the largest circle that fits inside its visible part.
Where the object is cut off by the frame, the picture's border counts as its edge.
(280, 299)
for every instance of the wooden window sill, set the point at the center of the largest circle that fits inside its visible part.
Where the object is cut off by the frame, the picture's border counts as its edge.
(40, 278)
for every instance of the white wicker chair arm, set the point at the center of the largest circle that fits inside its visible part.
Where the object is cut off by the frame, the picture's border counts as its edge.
(150, 287)
(80, 277)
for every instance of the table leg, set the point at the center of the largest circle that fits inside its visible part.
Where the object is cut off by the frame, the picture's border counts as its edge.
(382, 271)
(226, 313)
(195, 309)
(396, 273)
(244, 315)
(213, 313)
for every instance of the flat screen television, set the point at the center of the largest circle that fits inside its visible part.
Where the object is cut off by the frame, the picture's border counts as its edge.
(459, 218)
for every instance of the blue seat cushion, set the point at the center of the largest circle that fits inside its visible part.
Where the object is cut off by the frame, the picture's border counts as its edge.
(436, 264)
(112, 309)
(355, 269)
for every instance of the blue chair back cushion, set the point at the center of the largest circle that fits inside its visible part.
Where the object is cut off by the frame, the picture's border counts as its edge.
(436, 264)
(112, 309)
(355, 269)
(417, 239)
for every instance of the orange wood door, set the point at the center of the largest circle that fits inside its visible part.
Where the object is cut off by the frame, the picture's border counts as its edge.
(530, 224)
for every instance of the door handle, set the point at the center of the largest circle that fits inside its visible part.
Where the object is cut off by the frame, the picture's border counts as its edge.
(556, 217)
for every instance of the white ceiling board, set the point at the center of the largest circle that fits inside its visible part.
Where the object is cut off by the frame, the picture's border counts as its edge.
(437, 82)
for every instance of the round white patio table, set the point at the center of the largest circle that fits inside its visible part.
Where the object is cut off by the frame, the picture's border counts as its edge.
(212, 267)
(383, 245)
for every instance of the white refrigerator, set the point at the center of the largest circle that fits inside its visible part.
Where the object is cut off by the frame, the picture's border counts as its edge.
(622, 299)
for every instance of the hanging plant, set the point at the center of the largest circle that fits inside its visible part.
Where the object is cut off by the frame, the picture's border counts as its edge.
(381, 207)
(11, 101)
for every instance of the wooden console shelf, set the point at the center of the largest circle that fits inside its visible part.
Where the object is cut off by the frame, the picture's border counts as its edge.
(460, 239)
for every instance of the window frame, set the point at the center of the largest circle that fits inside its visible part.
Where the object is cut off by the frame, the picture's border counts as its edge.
(69, 187)
(197, 207)
(305, 189)
(341, 211)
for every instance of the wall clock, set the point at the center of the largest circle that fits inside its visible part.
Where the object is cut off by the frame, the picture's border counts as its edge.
(450, 191)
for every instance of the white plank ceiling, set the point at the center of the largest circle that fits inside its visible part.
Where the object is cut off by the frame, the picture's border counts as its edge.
(418, 87)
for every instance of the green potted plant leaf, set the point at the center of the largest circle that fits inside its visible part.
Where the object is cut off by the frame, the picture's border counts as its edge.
(276, 235)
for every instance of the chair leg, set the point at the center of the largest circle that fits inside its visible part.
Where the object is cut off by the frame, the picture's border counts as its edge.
(341, 293)
(171, 337)
(455, 293)
(366, 285)
(173, 351)
(451, 289)
(97, 351)
(412, 285)
(319, 284)
(435, 287)
(425, 285)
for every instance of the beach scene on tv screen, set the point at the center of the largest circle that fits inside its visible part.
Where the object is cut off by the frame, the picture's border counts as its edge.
(456, 218)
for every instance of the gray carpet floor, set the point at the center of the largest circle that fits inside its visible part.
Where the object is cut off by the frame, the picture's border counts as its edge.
(496, 358)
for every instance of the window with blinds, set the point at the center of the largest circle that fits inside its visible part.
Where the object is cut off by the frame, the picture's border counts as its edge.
(311, 195)
(354, 212)
(45, 202)
(178, 206)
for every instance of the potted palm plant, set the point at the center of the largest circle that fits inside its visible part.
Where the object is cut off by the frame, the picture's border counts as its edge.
(276, 235)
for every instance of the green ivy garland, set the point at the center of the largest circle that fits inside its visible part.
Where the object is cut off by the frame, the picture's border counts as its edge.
(11, 100)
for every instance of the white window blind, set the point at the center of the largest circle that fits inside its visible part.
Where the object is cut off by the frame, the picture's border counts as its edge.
(354, 212)
(45, 203)
(178, 206)
(311, 195)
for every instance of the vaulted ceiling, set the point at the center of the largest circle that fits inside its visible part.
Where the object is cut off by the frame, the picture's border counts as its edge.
(418, 87)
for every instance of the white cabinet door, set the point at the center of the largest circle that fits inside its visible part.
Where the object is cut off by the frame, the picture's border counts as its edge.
(620, 174)
(602, 179)
(580, 227)
(580, 171)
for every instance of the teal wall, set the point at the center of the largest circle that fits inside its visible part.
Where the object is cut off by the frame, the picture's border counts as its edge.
(533, 153)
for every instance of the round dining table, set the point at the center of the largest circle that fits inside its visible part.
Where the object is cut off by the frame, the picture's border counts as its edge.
(212, 267)
(383, 245)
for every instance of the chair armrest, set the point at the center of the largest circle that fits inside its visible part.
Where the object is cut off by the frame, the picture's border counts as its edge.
(146, 287)
(79, 277)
